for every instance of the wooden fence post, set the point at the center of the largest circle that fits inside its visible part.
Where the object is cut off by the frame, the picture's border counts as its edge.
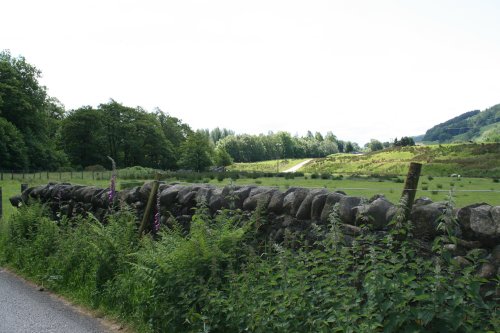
(410, 189)
(151, 200)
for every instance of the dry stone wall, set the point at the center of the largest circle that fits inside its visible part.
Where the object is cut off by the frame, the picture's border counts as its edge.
(296, 210)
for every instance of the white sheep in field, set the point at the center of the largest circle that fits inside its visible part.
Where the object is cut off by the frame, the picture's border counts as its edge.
(455, 175)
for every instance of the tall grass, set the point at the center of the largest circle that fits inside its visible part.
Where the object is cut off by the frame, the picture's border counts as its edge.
(224, 275)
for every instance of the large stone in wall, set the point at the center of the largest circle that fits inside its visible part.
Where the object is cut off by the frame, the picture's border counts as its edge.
(100, 198)
(317, 205)
(304, 211)
(84, 193)
(258, 198)
(239, 196)
(331, 200)
(347, 209)
(485, 223)
(425, 219)
(276, 203)
(39, 192)
(203, 195)
(234, 196)
(375, 213)
(169, 195)
(463, 217)
(293, 199)
(145, 190)
(216, 200)
(131, 195)
(186, 198)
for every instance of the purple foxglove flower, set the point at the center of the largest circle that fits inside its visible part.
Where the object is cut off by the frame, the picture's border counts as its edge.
(112, 186)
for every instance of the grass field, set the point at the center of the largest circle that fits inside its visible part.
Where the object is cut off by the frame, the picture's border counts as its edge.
(437, 189)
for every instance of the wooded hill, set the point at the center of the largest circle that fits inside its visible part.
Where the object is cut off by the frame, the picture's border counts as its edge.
(473, 126)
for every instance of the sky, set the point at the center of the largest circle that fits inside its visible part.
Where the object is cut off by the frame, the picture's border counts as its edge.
(361, 69)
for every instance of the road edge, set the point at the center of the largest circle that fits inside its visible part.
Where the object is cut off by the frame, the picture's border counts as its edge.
(111, 324)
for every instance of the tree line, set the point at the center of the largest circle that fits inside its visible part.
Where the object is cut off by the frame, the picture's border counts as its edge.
(36, 132)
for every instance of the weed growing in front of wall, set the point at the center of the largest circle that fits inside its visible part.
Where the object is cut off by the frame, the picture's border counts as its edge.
(223, 276)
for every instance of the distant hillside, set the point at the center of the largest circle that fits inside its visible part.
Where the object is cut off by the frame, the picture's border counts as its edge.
(472, 160)
(471, 126)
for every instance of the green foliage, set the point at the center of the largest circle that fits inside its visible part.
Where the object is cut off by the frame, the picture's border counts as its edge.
(253, 148)
(375, 145)
(222, 157)
(131, 136)
(24, 104)
(13, 152)
(224, 276)
(196, 152)
(404, 142)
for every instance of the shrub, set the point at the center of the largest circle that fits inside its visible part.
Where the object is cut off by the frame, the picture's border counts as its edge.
(221, 176)
(326, 175)
(314, 175)
(439, 186)
(226, 276)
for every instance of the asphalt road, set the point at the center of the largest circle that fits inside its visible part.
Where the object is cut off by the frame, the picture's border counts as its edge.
(25, 309)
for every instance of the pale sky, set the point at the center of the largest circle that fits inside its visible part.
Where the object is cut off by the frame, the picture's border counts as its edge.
(361, 69)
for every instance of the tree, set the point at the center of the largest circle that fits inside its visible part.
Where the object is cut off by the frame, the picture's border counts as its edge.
(349, 148)
(174, 129)
(232, 146)
(405, 141)
(13, 153)
(145, 143)
(222, 158)
(330, 137)
(328, 147)
(196, 152)
(375, 145)
(25, 104)
(83, 137)
(218, 134)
